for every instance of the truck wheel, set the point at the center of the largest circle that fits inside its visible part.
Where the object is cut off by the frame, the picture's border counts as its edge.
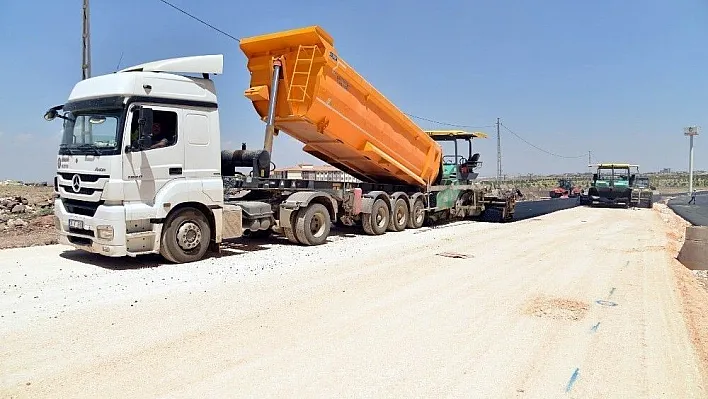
(417, 216)
(376, 222)
(399, 218)
(313, 225)
(290, 235)
(185, 236)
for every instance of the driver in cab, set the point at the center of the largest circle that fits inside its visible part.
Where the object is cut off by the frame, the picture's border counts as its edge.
(159, 139)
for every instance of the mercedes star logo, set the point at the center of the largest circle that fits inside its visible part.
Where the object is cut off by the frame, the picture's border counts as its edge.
(76, 183)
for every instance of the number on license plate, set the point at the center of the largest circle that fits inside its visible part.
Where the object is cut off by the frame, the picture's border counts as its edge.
(76, 224)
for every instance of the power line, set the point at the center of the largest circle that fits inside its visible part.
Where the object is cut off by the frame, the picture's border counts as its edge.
(203, 22)
(238, 40)
(539, 148)
(410, 115)
(446, 123)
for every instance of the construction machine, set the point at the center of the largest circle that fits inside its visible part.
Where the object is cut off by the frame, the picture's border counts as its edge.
(615, 184)
(565, 189)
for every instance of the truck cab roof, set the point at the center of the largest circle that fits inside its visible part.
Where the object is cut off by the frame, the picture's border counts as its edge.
(161, 79)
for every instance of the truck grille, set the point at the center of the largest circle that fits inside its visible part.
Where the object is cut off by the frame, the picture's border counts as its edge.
(81, 207)
(82, 190)
(84, 177)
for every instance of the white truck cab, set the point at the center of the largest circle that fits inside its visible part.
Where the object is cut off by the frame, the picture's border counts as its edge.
(139, 165)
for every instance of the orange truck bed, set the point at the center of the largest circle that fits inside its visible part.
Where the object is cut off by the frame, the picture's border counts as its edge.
(341, 118)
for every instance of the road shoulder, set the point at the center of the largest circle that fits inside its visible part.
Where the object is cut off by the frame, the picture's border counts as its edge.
(694, 298)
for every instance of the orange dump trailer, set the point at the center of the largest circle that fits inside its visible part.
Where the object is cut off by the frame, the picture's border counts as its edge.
(340, 117)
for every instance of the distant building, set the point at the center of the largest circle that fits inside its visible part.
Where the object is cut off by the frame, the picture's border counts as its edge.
(305, 171)
(665, 170)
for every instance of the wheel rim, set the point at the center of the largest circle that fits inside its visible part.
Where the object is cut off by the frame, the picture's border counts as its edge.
(401, 215)
(381, 221)
(317, 225)
(418, 214)
(189, 235)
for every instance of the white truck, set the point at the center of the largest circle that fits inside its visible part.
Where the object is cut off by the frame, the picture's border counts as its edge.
(141, 170)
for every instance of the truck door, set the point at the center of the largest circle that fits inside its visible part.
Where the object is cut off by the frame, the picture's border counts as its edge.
(146, 171)
(202, 161)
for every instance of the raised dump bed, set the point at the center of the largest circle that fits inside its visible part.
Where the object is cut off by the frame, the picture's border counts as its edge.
(340, 117)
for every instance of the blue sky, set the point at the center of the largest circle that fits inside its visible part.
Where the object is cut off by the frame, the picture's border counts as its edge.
(619, 78)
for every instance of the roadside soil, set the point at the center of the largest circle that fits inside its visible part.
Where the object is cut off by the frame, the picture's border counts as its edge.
(39, 229)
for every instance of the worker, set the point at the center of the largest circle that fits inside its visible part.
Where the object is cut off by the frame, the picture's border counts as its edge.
(158, 139)
(693, 197)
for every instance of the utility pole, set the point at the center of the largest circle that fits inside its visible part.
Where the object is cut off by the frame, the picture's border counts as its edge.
(499, 165)
(589, 160)
(86, 36)
(690, 132)
(86, 65)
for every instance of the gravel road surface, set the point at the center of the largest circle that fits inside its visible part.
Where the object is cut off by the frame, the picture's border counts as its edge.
(578, 303)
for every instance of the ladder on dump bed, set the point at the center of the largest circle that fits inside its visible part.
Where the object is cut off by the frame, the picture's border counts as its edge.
(301, 73)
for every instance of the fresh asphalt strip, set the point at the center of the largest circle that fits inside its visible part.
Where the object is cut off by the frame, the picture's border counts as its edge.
(696, 214)
(532, 209)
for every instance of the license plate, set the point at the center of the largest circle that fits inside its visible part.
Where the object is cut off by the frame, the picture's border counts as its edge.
(76, 224)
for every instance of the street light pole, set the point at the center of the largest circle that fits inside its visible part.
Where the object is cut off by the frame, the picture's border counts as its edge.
(690, 132)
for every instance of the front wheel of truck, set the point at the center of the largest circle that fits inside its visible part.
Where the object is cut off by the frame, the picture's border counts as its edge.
(185, 236)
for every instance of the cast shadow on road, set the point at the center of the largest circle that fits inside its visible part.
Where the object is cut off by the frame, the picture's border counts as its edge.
(240, 246)
(228, 248)
(105, 262)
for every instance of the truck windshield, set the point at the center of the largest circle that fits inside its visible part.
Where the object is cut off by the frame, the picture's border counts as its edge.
(642, 182)
(91, 132)
(613, 174)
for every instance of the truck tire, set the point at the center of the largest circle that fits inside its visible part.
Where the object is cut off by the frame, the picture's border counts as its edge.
(290, 235)
(417, 215)
(313, 224)
(185, 236)
(376, 222)
(399, 216)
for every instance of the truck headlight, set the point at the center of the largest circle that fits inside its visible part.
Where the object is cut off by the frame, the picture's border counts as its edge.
(104, 232)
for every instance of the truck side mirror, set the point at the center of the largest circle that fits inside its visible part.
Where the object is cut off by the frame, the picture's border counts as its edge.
(50, 115)
(594, 176)
(145, 126)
